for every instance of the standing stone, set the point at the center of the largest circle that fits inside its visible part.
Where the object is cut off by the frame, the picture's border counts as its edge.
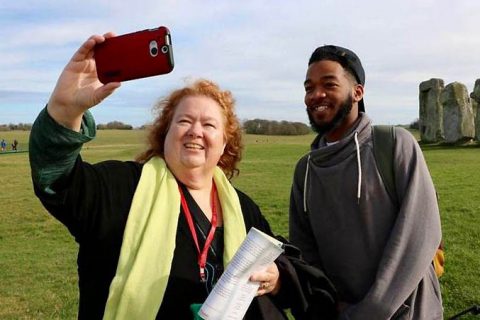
(431, 110)
(475, 95)
(458, 123)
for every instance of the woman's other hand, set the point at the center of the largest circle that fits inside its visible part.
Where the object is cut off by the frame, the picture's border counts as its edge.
(269, 280)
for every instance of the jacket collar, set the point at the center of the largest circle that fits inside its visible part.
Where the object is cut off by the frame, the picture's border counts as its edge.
(363, 122)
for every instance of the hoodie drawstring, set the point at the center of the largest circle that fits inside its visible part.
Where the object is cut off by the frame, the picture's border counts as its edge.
(359, 163)
(359, 177)
(305, 186)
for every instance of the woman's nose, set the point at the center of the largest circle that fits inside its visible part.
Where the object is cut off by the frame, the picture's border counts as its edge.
(195, 130)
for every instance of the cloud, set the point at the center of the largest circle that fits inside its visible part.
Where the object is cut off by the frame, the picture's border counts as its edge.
(257, 49)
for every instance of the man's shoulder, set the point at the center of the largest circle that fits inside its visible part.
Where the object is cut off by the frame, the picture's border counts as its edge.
(302, 162)
(401, 135)
(404, 137)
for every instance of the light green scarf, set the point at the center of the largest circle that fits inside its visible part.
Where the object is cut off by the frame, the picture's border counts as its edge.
(148, 244)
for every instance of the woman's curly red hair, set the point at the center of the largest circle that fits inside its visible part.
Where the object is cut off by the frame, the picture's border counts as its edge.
(166, 108)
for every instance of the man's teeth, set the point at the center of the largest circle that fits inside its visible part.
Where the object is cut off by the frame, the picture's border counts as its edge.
(319, 108)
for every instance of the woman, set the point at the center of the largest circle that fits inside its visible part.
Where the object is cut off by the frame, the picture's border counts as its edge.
(142, 226)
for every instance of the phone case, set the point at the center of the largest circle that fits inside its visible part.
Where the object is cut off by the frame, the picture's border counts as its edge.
(135, 55)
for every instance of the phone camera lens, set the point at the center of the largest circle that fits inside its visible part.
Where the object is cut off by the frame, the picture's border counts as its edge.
(164, 49)
(153, 48)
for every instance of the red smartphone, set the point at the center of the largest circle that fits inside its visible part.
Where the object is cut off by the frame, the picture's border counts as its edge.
(134, 55)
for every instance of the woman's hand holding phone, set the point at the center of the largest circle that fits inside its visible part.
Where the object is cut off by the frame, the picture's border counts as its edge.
(98, 66)
(78, 87)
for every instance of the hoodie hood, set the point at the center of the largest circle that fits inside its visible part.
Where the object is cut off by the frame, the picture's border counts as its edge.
(362, 124)
(326, 155)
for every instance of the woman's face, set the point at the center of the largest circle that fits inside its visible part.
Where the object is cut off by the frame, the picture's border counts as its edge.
(195, 139)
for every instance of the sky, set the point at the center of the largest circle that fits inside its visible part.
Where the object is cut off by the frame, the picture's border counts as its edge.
(257, 49)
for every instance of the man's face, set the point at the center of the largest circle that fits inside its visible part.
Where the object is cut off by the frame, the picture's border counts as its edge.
(329, 96)
(339, 117)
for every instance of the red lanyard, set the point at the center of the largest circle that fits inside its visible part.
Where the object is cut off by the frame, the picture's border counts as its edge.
(202, 255)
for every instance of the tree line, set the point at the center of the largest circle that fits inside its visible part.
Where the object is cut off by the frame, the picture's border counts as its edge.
(28, 126)
(118, 125)
(19, 127)
(281, 128)
(256, 126)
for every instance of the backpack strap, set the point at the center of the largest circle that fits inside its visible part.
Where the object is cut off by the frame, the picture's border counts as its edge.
(384, 139)
(383, 150)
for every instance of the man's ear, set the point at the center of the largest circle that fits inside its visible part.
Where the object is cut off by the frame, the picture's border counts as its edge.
(357, 92)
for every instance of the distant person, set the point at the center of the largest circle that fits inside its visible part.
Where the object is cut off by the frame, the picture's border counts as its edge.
(154, 234)
(14, 145)
(3, 145)
(377, 250)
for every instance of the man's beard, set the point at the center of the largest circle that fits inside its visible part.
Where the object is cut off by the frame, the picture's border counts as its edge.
(340, 116)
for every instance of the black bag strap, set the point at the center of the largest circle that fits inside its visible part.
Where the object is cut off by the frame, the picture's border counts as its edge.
(383, 149)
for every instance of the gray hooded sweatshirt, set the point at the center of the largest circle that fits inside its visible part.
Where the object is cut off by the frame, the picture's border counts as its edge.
(377, 253)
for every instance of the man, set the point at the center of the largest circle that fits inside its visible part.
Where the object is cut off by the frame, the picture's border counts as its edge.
(377, 250)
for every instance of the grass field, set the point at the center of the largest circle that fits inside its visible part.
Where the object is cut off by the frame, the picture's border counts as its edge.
(38, 256)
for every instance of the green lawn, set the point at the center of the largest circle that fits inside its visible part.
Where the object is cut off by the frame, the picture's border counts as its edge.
(38, 256)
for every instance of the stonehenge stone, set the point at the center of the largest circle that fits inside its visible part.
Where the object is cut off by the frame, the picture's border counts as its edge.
(475, 95)
(431, 110)
(477, 123)
(458, 123)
